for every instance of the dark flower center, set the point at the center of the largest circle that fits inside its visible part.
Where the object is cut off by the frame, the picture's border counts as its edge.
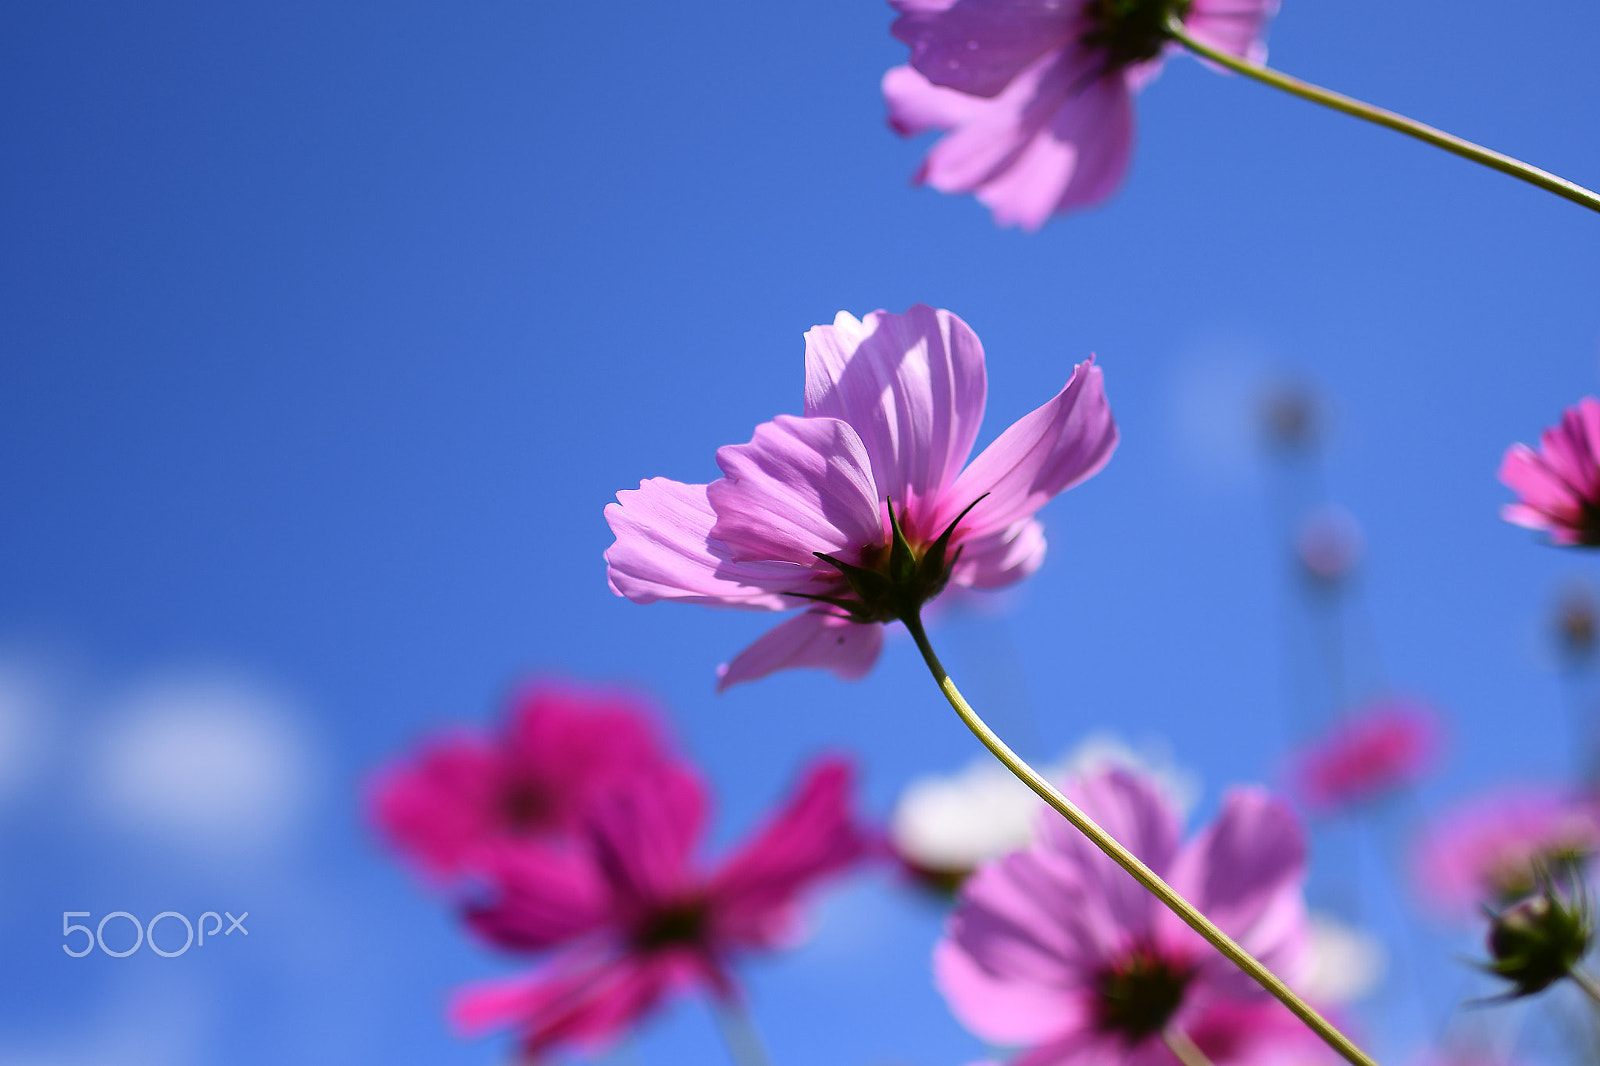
(1139, 994)
(895, 580)
(1129, 31)
(526, 807)
(681, 922)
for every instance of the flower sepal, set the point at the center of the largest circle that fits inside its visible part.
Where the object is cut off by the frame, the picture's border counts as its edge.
(1539, 941)
(908, 577)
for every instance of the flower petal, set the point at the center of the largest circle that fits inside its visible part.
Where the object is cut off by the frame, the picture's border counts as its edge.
(817, 638)
(1000, 559)
(801, 486)
(813, 837)
(435, 807)
(665, 551)
(540, 897)
(979, 46)
(1236, 26)
(999, 1010)
(912, 387)
(643, 836)
(1043, 453)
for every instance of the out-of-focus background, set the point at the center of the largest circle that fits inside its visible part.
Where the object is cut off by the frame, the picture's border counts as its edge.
(327, 330)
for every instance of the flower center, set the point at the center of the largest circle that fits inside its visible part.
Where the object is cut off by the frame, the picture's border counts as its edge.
(526, 807)
(680, 922)
(1139, 994)
(1129, 31)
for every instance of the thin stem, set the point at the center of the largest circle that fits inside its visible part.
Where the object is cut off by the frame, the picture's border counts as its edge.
(1128, 861)
(1183, 1049)
(1586, 981)
(739, 1034)
(1400, 123)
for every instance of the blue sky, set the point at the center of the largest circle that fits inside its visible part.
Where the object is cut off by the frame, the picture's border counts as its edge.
(329, 329)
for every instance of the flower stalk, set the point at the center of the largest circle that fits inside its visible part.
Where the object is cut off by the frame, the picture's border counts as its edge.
(739, 1034)
(1410, 127)
(1141, 873)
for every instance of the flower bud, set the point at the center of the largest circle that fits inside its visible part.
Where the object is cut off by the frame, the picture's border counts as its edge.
(1538, 941)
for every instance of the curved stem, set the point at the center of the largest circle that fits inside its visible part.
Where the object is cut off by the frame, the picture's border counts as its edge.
(739, 1034)
(1410, 127)
(1586, 981)
(1130, 862)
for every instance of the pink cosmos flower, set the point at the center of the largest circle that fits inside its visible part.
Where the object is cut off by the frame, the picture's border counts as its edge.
(802, 516)
(1386, 746)
(1037, 95)
(1559, 484)
(1058, 949)
(463, 794)
(644, 920)
(1486, 850)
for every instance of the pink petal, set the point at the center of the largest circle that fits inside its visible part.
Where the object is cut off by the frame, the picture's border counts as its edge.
(916, 105)
(542, 897)
(812, 838)
(643, 836)
(436, 806)
(1135, 811)
(665, 551)
(1045, 452)
(1003, 1011)
(1000, 559)
(912, 387)
(801, 486)
(1236, 26)
(817, 638)
(979, 46)
(1244, 873)
(586, 1004)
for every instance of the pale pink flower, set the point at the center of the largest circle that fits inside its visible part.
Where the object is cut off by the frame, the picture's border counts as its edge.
(892, 406)
(1038, 94)
(1058, 949)
(643, 920)
(1385, 746)
(1329, 544)
(1559, 484)
(465, 793)
(1487, 850)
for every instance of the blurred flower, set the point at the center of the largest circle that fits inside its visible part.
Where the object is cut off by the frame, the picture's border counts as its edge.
(1346, 964)
(1329, 544)
(1559, 484)
(945, 826)
(463, 794)
(1488, 851)
(1576, 623)
(1387, 745)
(802, 517)
(1289, 416)
(1059, 949)
(643, 920)
(1537, 942)
(1038, 94)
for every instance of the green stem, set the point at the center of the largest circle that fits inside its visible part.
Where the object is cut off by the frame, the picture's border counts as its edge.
(1410, 127)
(1586, 981)
(1128, 861)
(739, 1035)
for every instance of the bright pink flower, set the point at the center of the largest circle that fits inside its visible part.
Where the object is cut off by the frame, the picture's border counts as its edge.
(1486, 850)
(892, 406)
(1058, 949)
(1385, 746)
(463, 794)
(644, 920)
(1038, 94)
(1559, 484)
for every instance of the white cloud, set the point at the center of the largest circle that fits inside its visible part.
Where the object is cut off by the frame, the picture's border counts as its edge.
(1347, 963)
(24, 698)
(213, 762)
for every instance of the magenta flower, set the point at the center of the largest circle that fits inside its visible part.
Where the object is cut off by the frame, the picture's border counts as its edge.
(803, 515)
(1058, 949)
(644, 920)
(1386, 746)
(465, 794)
(1037, 95)
(1559, 484)
(1487, 851)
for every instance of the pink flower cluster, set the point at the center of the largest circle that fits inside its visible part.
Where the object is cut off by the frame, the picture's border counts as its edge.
(576, 831)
